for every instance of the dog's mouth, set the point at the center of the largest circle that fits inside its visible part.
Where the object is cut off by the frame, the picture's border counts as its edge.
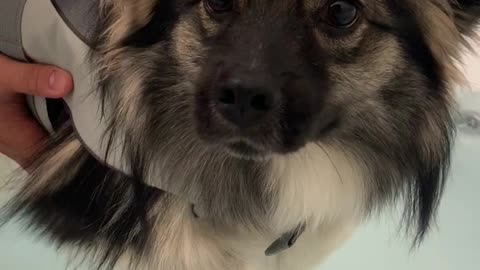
(245, 150)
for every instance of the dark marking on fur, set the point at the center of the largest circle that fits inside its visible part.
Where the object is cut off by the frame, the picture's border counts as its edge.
(165, 15)
(99, 206)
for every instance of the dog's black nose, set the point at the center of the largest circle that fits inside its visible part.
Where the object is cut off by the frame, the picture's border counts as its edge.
(244, 104)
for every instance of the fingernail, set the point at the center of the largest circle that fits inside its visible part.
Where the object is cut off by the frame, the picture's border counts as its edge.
(56, 82)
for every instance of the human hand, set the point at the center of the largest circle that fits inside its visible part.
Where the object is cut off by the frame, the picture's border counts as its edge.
(20, 133)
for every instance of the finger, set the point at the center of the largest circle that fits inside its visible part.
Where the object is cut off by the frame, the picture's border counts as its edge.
(20, 135)
(34, 79)
(22, 141)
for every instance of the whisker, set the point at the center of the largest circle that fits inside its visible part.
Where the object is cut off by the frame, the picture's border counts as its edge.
(331, 161)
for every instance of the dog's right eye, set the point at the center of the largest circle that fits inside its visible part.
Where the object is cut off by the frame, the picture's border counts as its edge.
(218, 6)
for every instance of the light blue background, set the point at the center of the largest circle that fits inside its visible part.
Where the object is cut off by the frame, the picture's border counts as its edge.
(454, 245)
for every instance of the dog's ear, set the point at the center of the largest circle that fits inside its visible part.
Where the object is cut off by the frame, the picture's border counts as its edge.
(467, 15)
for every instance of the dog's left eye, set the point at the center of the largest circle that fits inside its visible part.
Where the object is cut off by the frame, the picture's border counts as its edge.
(342, 13)
(218, 6)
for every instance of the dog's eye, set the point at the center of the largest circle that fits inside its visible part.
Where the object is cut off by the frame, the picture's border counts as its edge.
(218, 6)
(342, 13)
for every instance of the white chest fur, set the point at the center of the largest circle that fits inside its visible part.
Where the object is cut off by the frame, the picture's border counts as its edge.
(323, 187)
(318, 185)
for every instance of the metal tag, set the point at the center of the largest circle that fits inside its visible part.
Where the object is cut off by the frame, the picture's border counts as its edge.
(286, 241)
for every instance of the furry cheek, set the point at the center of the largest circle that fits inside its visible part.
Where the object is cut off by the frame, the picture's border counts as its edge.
(188, 48)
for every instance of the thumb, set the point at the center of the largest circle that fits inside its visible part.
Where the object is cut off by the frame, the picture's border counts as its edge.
(34, 79)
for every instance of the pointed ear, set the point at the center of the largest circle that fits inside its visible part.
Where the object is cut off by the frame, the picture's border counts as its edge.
(467, 15)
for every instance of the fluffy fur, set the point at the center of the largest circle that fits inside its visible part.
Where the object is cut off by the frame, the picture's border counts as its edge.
(365, 123)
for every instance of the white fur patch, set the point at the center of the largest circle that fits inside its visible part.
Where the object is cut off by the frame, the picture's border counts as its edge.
(322, 186)
(317, 185)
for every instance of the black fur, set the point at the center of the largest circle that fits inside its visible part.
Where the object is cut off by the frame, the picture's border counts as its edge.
(69, 217)
(165, 15)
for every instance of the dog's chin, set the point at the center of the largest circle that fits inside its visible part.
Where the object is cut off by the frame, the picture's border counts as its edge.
(246, 151)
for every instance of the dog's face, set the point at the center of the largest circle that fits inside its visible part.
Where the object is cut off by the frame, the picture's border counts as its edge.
(273, 76)
(230, 82)
(255, 78)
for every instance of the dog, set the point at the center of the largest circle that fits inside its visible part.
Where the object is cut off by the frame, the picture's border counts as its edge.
(281, 116)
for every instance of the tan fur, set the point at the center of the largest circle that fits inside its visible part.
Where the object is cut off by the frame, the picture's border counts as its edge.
(443, 37)
(128, 15)
(131, 83)
(188, 46)
(369, 73)
(208, 24)
(187, 243)
(51, 167)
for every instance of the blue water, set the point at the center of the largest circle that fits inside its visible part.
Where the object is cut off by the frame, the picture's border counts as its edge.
(454, 245)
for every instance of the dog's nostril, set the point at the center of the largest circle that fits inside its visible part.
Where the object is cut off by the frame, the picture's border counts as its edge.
(227, 96)
(243, 105)
(260, 102)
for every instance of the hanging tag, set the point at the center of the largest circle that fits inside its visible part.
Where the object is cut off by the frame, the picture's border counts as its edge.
(286, 241)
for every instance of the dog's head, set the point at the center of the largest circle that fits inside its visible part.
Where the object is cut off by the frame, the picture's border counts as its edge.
(238, 81)
(268, 77)
(272, 113)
